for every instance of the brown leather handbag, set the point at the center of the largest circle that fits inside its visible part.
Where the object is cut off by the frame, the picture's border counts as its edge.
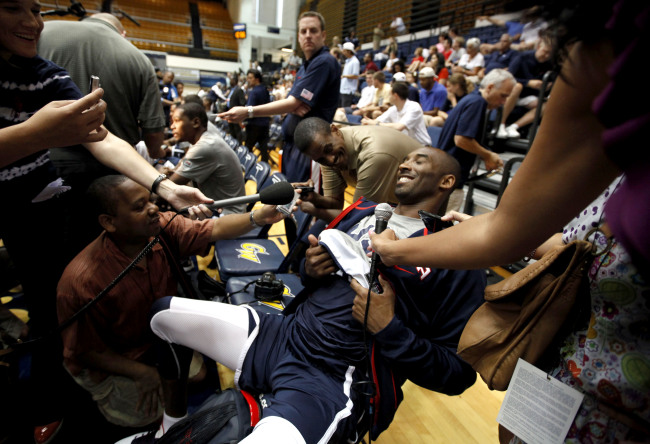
(528, 314)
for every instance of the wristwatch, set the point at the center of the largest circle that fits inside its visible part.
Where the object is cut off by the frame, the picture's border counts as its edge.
(154, 186)
(250, 112)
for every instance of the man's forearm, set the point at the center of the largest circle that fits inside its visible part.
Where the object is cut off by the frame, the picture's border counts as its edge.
(470, 145)
(111, 362)
(154, 142)
(283, 106)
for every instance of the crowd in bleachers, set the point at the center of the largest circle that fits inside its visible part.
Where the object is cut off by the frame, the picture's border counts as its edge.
(408, 123)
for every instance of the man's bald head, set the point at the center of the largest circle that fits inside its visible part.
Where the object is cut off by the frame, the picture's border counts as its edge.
(111, 20)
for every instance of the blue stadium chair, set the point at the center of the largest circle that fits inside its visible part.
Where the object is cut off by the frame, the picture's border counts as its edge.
(231, 141)
(353, 119)
(241, 152)
(248, 162)
(258, 174)
(252, 257)
(434, 133)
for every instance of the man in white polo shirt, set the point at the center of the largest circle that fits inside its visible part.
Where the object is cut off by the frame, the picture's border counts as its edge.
(405, 115)
(350, 76)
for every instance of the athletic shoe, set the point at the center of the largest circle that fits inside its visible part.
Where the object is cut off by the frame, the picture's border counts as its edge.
(149, 437)
(512, 132)
(502, 133)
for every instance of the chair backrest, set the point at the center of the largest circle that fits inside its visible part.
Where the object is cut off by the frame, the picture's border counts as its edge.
(248, 162)
(258, 173)
(434, 133)
(241, 152)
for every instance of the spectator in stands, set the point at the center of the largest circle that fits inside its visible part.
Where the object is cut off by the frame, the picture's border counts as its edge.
(531, 33)
(501, 57)
(295, 61)
(381, 101)
(392, 58)
(513, 30)
(413, 93)
(445, 42)
(109, 350)
(168, 93)
(209, 162)
(528, 68)
(126, 75)
(257, 129)
(352, 38)
(41, 110)
(471, 63)
(314, 93)
(377, 36)
(305, 367)
(350, 75)
(457, 88)
(364, 157)
(457, 51)
(180, 87)
(398, 25)
(336, 42)
(432, 95)
(462, 132)
(399, 66)
(369, 65)
(367, 95)
(405, 116)
(236, 97)
(417, 60)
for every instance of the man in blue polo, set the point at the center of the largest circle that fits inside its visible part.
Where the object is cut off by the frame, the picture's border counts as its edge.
(315, 93)
(461, 134)
(432, 95)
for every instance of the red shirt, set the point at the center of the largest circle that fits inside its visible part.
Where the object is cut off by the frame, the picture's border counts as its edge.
(120, 321)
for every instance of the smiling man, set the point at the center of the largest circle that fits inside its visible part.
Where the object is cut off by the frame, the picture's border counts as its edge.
(365, 157)
(108, 350)
(210, 163)
(309, 367)
(315, 93)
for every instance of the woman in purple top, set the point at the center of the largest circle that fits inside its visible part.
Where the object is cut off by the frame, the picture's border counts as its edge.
(591, 133)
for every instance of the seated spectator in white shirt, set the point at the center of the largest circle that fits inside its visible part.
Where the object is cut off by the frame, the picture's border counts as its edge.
(367, 95)
(405, 116)
(472, 62)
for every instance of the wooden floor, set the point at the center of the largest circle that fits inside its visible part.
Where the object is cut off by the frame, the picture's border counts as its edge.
(426, 417)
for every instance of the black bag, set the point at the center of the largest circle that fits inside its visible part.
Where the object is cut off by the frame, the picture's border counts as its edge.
(224, 418)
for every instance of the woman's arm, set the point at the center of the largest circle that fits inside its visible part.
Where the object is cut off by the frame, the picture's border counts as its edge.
(566, 168)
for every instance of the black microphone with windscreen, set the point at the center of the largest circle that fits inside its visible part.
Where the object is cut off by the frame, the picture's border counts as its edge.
(277, 194)
(383, 213)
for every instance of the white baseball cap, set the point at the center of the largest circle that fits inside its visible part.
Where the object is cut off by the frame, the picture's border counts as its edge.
(349, 46)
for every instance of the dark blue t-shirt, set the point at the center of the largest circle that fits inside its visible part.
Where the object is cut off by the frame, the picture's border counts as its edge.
(317, 84)
(498, 60)
(466, 119)
(26, 86)
(258, 96)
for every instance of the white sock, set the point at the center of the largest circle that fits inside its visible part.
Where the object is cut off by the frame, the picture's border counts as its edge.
(514, 126)
(169, 421)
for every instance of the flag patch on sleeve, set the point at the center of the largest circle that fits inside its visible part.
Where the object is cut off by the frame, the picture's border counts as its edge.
(306, 94)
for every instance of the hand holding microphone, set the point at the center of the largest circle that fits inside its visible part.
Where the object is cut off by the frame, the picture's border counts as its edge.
(277, 194)
(383, 213)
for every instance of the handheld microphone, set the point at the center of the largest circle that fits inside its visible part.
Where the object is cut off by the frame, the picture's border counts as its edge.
(383, 213)
(277, 194)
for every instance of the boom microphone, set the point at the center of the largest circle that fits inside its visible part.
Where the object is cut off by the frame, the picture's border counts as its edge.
(277, 194)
